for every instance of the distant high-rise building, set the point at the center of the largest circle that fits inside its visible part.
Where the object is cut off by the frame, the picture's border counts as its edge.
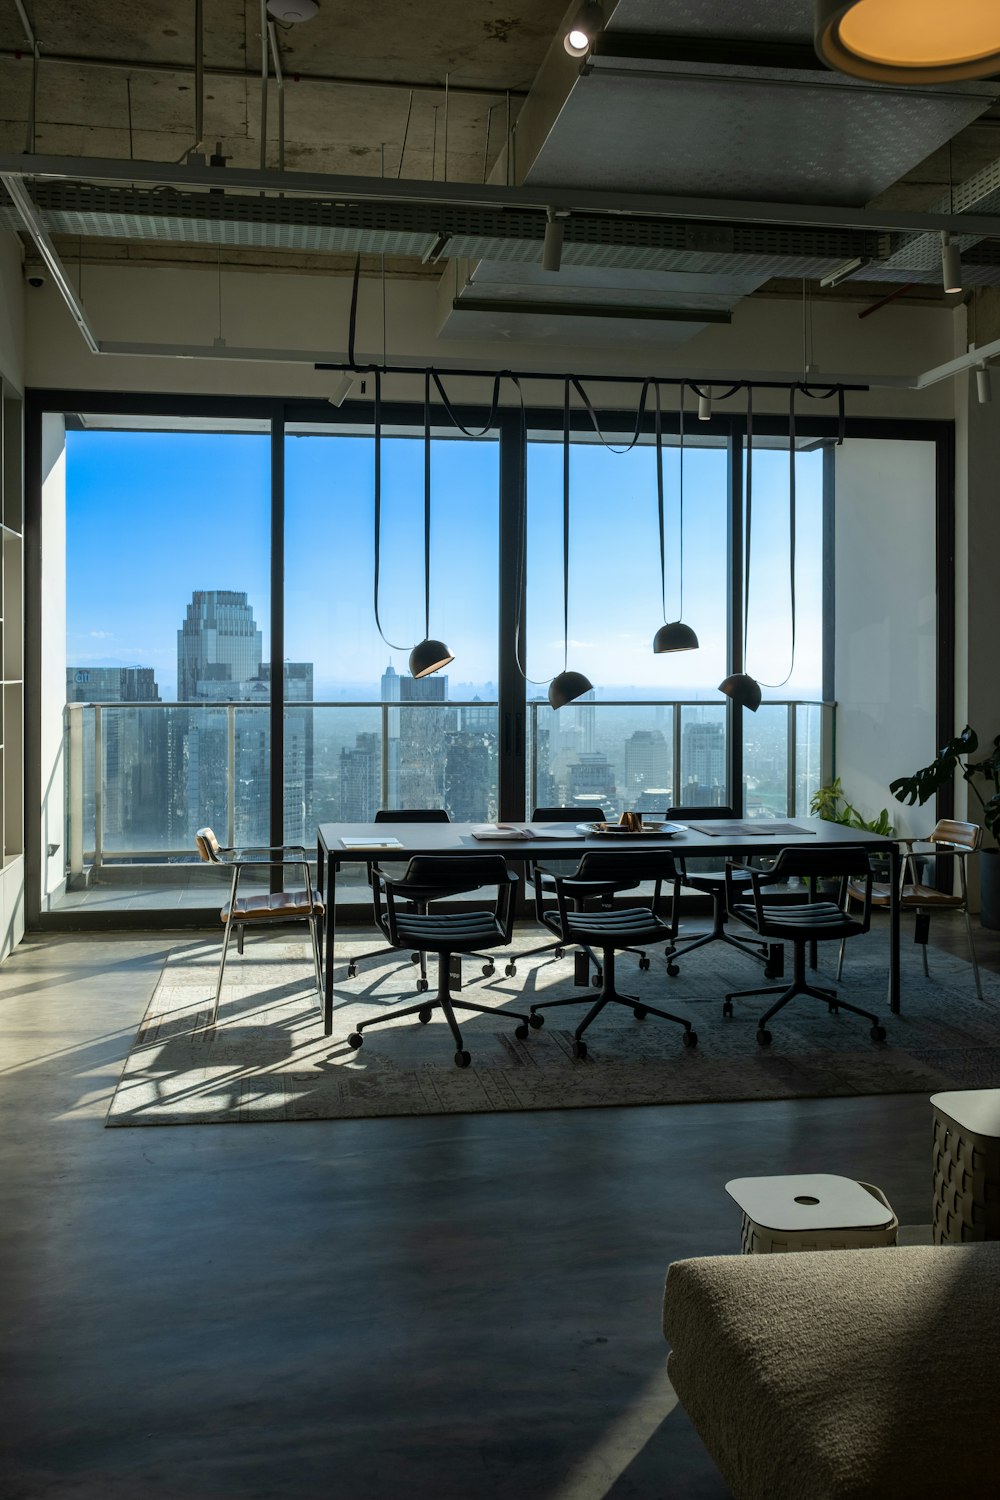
(647, 764)
(360, 776)
(703, 760)
(415, 753)
(217, 645)
(586, 719)
(299, 748)
(591, 782)
(134, 756)
(470, 778)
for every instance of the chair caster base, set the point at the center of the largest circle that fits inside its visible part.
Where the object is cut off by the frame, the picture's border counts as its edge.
(423, 985)
(462, 1059)
(727, 1008)
(644, 962)
(580, 1050)
(763, 1037)
(352, 971)
(598, 979)
(423, 1016)
(878, 1033)
(536, 1022)
(690, 1039)
(488, 970)
(510, 970)
(640, 1012)
(673, 970)
(355, 1040)
(521, 1032)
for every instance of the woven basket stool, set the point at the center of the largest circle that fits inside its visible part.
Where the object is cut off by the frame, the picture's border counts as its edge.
(966, 1166)
(812, 1211)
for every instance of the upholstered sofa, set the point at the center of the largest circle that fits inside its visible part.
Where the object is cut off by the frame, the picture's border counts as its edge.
(843, 1373)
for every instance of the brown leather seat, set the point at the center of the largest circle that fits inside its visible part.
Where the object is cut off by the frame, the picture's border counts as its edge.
(280, 904)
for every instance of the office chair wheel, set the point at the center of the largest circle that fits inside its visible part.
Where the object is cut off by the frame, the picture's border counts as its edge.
(763, 1036)
(644, 962)
(690, 1039)
(536, 1022)
(422, 985)
(423, 1016)
(559, 952)
(521, 1032)
(580, 1050)
(355, 1040)
(598, 978)
(352, 970)
(878, 1033)
(770, 973)
(414, 958)
(510, 970)
(462, 1059)
(489, 969)
(640, 1012)
(727, 1007)
(673, 970)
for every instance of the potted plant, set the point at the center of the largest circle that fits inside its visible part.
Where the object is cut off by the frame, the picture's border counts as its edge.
(830, 803)
(958, 755)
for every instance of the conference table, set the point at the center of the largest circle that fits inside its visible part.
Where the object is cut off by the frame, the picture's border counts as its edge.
(338, 844)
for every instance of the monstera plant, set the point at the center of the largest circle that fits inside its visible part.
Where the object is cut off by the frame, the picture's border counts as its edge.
(962, 754)
(958, 755)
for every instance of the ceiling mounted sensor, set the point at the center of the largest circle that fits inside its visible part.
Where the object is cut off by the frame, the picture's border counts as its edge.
(585, 26)
(909, 41)
(292, 12)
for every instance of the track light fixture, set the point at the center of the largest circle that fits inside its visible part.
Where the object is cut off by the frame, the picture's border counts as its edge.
(984, 386)
(705, 406)
(909, 41)
(292, 12)
(586, 24)
(951, 264)
(553, 242)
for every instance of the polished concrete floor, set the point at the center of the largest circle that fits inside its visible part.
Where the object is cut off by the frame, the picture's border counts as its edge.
(408, 1309)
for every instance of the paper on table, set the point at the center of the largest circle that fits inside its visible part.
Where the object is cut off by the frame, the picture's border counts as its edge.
(500, 831)
(372, 843)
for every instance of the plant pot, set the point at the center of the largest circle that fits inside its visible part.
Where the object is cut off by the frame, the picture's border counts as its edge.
(989, 888)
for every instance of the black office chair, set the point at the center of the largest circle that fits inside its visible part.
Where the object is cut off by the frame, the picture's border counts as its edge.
(805, 922)
(428, 878)
(709, 876)
(542, 879)
(407, 815)
(615, 930)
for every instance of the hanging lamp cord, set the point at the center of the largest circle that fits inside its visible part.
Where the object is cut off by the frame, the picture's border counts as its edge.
(748, 493)
(659, 497)
(378, 507)
(565, 525)
(680, 502)
(640, 412)
(427, 505)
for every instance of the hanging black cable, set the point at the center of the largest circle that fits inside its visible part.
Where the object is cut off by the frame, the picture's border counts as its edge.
(743, 689)
(567, 685)
(494, 405)
(640, 412)
(675, 635)
(378, 507)
(428, 655)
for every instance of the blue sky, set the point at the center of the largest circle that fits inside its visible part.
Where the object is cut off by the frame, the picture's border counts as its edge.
(153, 516)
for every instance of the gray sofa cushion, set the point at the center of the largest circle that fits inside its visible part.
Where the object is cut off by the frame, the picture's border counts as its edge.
(843, 1373)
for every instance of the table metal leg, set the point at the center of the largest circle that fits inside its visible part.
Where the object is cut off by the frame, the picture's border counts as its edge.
(331, 925)
(894, 871)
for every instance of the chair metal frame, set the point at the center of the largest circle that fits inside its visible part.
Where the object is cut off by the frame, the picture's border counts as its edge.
(713, 884)
(606, 929)
(802, 923)
(447, 933)
(948, 838)
(259, 911)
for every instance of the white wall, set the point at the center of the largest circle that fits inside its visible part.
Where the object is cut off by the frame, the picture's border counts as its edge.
(886, 612)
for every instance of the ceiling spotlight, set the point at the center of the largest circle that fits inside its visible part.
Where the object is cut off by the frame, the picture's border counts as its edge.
(951, 264)
(586, 24)
(553, 243)
(705, 406)
(984, 388)
(909, 41)
(292, 12)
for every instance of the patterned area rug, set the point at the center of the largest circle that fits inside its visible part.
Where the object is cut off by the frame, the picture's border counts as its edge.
(268, 1059)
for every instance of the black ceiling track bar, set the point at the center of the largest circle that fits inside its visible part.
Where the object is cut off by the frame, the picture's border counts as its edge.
(103, 211)
(816, 387)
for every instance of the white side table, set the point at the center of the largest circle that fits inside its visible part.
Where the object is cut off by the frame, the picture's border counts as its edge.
(966, 1166)
(812, 1211)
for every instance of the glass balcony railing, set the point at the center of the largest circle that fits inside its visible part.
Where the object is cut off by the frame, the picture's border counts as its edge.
(141, 778)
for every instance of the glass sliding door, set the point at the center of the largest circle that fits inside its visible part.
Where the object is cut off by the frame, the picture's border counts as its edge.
(167, 680)
(372, 735)
(642, 739)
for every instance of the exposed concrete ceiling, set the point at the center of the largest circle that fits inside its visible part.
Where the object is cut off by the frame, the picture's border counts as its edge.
(679, 97)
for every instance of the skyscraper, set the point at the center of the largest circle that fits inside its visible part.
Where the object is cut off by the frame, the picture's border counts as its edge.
(134, 756)
(647, 764)
(703, 759)
(218, 645)
(359, 780)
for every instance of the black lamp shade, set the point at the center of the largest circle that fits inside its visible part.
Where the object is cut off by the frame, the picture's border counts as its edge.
(567, 686)
(675, 637)
(744, 691)
(430, 656)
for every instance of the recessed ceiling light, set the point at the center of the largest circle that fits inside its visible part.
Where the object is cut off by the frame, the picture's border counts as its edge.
(292, 12)
(909, 41)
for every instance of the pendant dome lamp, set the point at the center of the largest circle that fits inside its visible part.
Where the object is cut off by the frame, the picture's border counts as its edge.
(673, 635)
(743, 689)
(909, 41)
(567, 685)
(429, 655)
